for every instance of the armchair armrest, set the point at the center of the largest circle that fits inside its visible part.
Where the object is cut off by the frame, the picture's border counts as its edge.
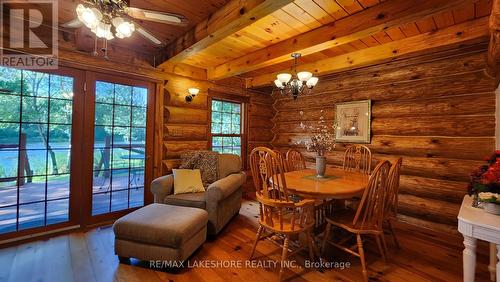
(224, 187)
(162, 187)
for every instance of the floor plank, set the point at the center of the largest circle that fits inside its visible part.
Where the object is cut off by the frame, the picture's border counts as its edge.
(89, 256)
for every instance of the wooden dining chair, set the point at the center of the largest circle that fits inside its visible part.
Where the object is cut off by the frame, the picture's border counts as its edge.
(367, 220)
(358, 158)
(278, 215)
(282, 159)
(391, 207)
(295, 160)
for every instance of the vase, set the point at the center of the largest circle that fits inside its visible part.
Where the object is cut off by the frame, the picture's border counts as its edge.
(492, 208)
(320, 166)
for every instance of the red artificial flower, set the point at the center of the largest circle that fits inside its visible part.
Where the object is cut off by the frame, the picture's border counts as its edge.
(489, 177)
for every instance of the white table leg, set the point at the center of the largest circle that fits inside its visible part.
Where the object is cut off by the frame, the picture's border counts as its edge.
(498, 263)
(493, 261)
(469, 258)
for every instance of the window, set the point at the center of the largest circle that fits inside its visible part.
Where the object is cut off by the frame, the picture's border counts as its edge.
(226, 127)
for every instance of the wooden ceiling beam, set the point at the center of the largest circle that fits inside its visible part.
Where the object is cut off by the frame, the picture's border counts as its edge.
(476, 30)
(360, 25)
(493, 68)
(234, 16)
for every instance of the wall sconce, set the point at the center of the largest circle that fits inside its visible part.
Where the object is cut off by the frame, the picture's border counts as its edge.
(192, 93)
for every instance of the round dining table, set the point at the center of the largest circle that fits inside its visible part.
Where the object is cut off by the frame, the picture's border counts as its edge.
(337, 184)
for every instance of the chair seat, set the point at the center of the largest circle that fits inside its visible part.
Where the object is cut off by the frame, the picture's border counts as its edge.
(193, 200)
(287, 223)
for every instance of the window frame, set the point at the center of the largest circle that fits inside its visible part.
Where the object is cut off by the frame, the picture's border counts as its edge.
(244, 102)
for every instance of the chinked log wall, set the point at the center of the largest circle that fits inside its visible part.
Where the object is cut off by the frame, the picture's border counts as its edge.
(436, 111)
(186, 125)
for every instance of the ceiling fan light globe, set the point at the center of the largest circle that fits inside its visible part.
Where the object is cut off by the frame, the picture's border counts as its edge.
(119, 35)
(103, 30)
(284, 77)
(88, 16)
(117, 21)
(126, 29)
(304, 76)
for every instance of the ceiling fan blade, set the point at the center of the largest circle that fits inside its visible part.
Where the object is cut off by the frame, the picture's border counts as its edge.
(155, 16)
(75, 23)
(148, 35)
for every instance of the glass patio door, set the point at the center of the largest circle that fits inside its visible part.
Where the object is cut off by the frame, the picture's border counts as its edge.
(39, 132)
(120, 145)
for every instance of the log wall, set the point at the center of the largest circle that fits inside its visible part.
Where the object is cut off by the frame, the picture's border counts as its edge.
(436, 111)
(186, 125)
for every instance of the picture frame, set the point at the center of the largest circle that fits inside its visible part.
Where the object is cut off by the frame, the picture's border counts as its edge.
(353, 122)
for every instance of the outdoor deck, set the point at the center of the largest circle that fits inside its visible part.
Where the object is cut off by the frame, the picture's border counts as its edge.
(32, 197)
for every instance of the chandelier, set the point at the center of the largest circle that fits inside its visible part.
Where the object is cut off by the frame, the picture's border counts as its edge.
(300, 84)
(104, 19)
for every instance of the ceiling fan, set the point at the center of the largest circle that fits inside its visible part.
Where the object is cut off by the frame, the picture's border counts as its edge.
(108, 19)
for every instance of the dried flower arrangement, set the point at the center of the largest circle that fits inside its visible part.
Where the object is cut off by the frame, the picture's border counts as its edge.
(322, 138)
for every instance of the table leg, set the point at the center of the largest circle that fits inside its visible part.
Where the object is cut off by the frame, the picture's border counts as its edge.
(469, 258)
(493, 261)
(498, 263)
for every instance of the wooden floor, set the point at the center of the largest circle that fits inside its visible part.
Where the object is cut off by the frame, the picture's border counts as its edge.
(88, 256)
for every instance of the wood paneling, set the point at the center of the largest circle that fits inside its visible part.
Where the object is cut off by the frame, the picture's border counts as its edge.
(436, 111)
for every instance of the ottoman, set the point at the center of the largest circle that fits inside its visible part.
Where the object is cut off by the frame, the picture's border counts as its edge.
(160, 232)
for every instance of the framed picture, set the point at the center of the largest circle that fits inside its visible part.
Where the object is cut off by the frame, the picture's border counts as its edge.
(353, 121)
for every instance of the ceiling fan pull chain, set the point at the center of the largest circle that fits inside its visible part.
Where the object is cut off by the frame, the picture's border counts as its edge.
(95, 53)
(106, 49)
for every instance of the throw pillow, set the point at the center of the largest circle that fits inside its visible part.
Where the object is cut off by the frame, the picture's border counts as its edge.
(187, 181)
(206, 161)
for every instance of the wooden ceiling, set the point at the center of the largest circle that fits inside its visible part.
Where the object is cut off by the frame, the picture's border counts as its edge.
(195, 11)
(433, 23)
(291, 20)
(348, 33)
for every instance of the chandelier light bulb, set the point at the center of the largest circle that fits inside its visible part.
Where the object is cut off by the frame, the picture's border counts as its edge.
(284, 77)
(279, 84)
(304, 76)
(311, 82)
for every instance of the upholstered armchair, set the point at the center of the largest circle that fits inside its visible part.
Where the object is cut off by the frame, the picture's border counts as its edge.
(221, 199)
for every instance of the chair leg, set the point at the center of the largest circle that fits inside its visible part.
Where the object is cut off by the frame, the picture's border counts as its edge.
(283, 258)
(393, 234)
(326, 235)
(384, 244)
(257, 238)
(362, 257)
(379, 246)
(310, 243)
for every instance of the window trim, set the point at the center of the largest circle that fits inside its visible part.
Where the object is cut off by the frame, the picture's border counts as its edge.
(244, 102)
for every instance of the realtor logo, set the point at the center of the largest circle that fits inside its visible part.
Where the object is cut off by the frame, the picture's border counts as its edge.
(29, 34)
